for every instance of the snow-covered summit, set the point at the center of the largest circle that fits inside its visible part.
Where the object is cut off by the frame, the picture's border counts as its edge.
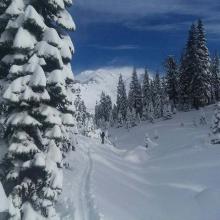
(93, 82)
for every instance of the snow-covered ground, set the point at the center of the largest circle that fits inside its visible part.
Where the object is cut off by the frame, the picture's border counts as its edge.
(3, 198)
(92, 83)
(176, 179)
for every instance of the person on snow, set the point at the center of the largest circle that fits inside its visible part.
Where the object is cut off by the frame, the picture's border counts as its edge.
(102, 135)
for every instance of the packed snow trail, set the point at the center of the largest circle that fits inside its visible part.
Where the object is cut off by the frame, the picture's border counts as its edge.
(178, 179)
(77, 202)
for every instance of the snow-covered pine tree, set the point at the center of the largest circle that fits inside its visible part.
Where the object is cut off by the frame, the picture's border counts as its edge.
(215, 78)
(107, 107)
(164, 94)
(131, 118)
(120, 121)
(158, 107)
(216, 126)
(167, 111)
(202, 77)
(3, 50)
(171, 69)
(188, 67)
(114, 114)
(103, 110)
(97, 114)
(151, 112)
(37, 66)
(81, 113)
(146, 95)
(135, 95)
(121, 102)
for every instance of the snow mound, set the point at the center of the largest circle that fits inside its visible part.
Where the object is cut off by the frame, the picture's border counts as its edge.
(137, 155)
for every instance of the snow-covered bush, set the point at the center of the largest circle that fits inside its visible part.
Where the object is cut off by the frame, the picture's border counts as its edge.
(148, 142)
(35, 60)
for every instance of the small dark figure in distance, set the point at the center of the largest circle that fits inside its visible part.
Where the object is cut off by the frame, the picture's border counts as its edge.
(102, 135)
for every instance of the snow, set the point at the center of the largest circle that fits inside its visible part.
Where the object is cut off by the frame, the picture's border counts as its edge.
(177, 179)
(4, 200)
(22, 119)
(38, 79)
(23, 148)
(57, 3)
(137, 155)
(29, 95)
(24, 40)
(68, 119)
(65, 51)
(48, 51)
(39, 160)
(30, 213)
(92, 83)
(51, 115)
(54, 133)
(51, 36)
(55, 77)
(68, 72)
(54, 153)
(68, 41)
(15, 8)
(33, 17)
(65, 20)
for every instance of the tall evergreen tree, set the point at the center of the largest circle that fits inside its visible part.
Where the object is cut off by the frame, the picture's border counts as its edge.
(135, 95)
(215, 78)
(158, 107)
(146, 94)
(115, 114)
(40, 111)
(171, 69)
(121, 102)
(103, 110)
(188, 67)
(81, 113)
(201, 78)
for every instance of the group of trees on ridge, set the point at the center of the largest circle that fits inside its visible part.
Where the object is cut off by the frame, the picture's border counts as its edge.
(193, 82)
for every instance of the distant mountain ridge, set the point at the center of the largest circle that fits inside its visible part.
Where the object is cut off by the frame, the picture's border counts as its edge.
(93, 82)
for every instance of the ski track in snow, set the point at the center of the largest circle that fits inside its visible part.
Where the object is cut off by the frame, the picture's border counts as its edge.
(89, 211)
(77, 200)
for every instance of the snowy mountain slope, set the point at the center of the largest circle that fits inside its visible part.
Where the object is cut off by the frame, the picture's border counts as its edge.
(177, 179)
(92, 83)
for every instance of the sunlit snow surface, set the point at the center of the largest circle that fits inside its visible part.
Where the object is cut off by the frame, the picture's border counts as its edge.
(178, 179)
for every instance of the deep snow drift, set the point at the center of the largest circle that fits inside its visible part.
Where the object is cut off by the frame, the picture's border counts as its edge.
(177, 179)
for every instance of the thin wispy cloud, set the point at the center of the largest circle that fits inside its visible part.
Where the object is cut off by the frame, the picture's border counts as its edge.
(117, 47)
(139, 8)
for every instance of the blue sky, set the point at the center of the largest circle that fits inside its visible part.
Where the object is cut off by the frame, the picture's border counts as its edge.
(138, 32)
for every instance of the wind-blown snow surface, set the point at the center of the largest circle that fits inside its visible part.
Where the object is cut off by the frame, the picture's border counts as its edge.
(92, 83)
(177, 179)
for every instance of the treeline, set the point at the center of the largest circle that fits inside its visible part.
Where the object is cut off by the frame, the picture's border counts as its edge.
(193, 82)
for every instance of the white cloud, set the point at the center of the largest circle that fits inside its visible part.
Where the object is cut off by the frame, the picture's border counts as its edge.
(149, 7)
